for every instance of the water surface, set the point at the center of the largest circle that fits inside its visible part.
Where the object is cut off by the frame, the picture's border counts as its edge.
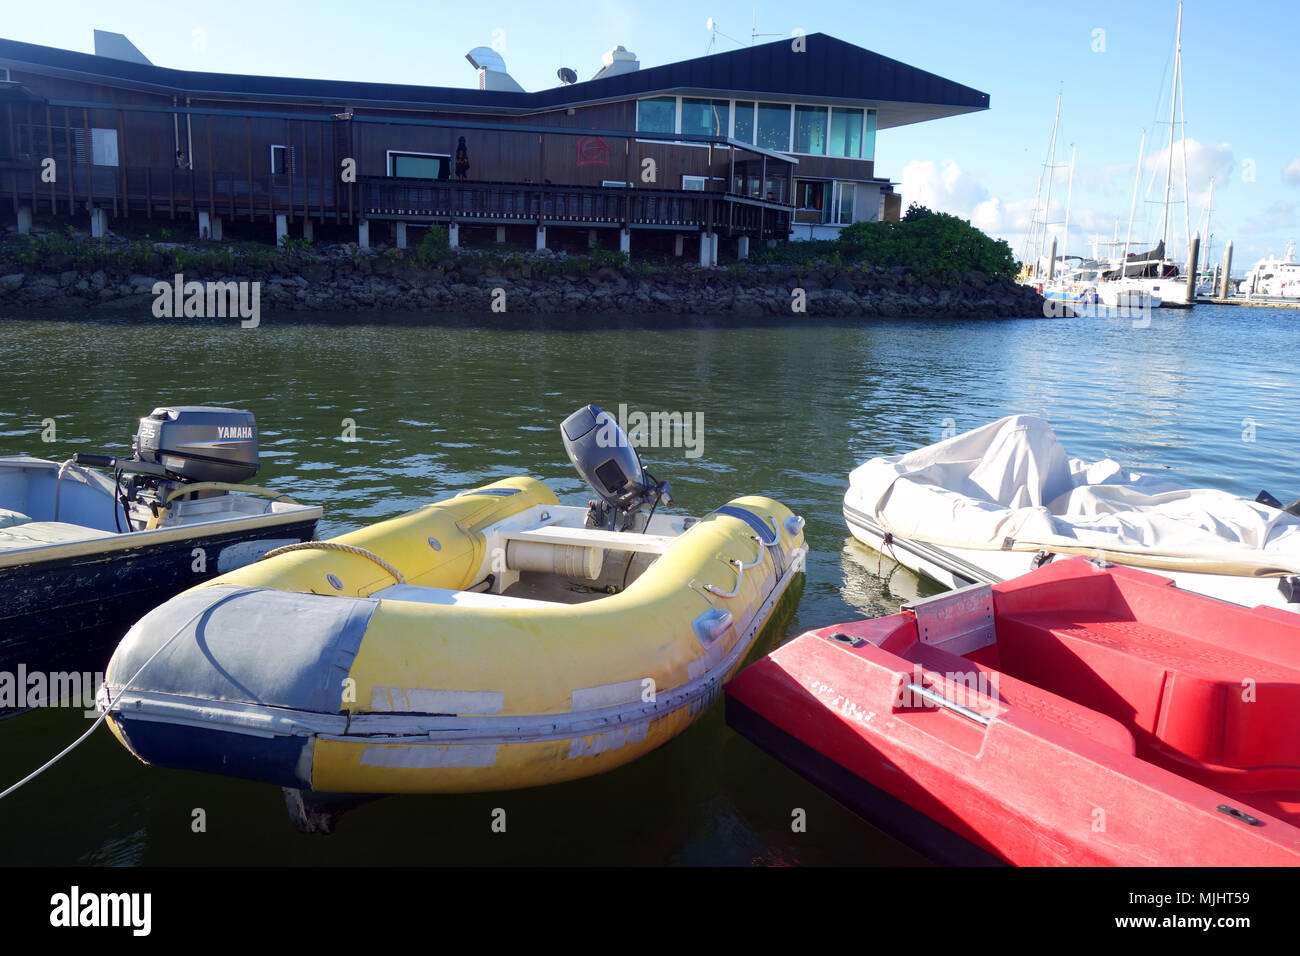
(1209, 396)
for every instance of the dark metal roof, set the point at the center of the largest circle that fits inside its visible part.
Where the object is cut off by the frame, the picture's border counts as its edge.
(826, 70)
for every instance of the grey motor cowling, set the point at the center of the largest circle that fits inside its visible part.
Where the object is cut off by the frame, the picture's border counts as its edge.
(199, 443)
(603, 455)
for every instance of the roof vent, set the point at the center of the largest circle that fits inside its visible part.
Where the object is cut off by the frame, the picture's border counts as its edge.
(118, 47)
(491, 68)
(617, 60)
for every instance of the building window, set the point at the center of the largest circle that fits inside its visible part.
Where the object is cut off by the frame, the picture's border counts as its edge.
(810, 129)
(869, 136)
(774, 126)
(846, 133)
(657, 115)
(282, 160)
(744, 121)
(706, 117)
(103, 147)
(419, 165)
(693, 183)
(844, 202)
(613, 183)
(812, 200)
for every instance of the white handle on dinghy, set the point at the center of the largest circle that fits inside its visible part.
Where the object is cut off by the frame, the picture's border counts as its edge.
(740, 573)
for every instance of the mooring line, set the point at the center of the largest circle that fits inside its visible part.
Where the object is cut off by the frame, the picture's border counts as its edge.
(100, 719)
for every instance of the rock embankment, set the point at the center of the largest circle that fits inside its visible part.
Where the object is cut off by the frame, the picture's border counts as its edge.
(472, 283)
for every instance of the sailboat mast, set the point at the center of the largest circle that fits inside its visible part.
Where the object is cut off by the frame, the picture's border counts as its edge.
(1182, 122)
(1173, 105)
(1209, 236)
(1132, 209)
(1069, 191)
(1051, 174)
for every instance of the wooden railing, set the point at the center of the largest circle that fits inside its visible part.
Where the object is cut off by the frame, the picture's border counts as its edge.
(552, 204)
(169, 192)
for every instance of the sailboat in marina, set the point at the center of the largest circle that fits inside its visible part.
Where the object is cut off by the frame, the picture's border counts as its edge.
(1154, 271)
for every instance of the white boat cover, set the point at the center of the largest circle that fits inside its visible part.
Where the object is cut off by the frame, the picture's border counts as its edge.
(1010, 486)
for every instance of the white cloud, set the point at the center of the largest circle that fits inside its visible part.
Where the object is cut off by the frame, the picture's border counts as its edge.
(1205, 161)
(946, 187)
(1292, 172)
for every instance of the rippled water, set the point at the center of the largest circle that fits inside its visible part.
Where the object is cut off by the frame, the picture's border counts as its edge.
(1210, 395)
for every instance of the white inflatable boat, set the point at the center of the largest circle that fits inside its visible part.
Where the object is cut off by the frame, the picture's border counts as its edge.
(996, 502)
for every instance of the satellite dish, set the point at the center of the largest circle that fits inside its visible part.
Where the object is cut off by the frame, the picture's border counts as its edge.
(486, 58)
(566, 75)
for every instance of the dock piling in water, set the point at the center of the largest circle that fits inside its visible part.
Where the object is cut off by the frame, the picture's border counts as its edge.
(1227, 270)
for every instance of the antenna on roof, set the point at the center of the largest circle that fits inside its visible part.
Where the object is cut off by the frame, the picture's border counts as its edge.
(712, 26)
(754, 34)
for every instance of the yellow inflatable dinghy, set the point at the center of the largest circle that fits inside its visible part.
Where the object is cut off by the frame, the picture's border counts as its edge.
(471, 645)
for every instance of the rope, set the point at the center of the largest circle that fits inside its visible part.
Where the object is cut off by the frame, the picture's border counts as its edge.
(107, 709)
(335, 546)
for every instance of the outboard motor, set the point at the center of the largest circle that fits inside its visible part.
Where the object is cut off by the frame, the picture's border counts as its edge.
(195, 443)
(601, 451)
(178, 445)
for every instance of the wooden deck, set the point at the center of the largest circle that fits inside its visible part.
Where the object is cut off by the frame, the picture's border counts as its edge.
(169, 193)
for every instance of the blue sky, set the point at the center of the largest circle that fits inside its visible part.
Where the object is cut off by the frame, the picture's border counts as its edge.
(1111, 60)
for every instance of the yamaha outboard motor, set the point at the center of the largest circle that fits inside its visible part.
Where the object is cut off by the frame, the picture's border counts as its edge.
(604, 456)
(195, 443)
(179, 445)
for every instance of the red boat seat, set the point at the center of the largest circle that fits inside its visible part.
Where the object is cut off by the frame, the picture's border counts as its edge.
(1025, 697)
(1216, 715)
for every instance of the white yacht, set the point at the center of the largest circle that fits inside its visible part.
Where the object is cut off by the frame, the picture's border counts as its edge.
(1274, 277)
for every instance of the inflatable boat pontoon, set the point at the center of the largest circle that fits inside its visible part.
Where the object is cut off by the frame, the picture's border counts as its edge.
(493, 640)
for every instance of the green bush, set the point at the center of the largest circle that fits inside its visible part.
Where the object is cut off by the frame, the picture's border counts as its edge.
(928, 243)
(602, 258)
(434, 247)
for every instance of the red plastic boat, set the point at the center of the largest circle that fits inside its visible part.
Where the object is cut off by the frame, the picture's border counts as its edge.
(1079, 714)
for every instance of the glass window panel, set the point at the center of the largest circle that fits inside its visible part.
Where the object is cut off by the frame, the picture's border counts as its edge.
(869, 142)
(417, 167)
(657, 115)
(774, 126)
(810, 124)
(846, 203)
(744, 121)
(706, 117)
(846, 133)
